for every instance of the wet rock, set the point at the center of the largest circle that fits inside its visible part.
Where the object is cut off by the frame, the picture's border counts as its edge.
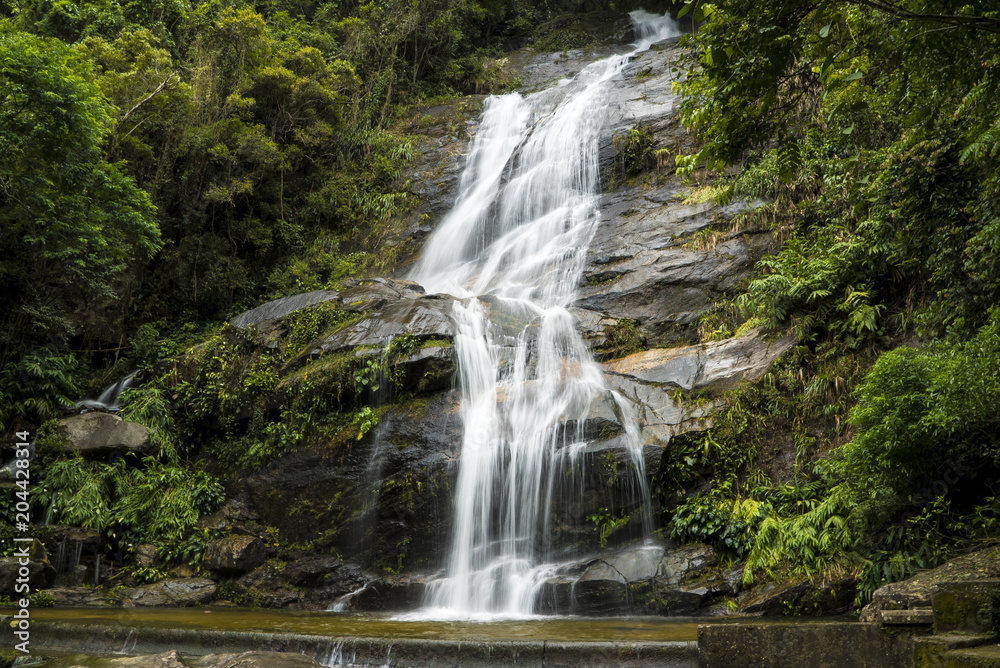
(918, 591)
(335, 585)
(708, 368)
(442, 133)
(382, 500)
(169, 659)
(254, 660)
(428, 369)
(182, 571)
(638, 580)
(665, 290)
(76, 597)
(650, 381)
(377, 292)
(98, 433)
(171, 592)
(235, 554)
(426, 317)
(660, 413)
(391, 594)
(638, 266)
(774, 598)
(310, 582)
(41, 575)
(538, 71)
(685, 562)
(145, 555)
(578, 30)
(279, 308)
(800, 596)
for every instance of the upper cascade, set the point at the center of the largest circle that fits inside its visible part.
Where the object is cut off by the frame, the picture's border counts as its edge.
(515, 243)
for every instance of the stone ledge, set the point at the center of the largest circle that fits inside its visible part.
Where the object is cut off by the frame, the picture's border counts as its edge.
(917, 616)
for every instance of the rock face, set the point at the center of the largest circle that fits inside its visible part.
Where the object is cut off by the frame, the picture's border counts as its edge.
(279, 308)
(80, 597)
(799, 595)
(640, 265)
(425, 318)
(102, 433)
(639, 580)
(383, 500)
(235, 554)
(708, 368)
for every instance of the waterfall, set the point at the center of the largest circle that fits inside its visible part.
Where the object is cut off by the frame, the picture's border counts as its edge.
(110, 398)
(512, 249)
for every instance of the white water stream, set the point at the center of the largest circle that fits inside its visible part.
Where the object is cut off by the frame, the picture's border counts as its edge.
(512, 249)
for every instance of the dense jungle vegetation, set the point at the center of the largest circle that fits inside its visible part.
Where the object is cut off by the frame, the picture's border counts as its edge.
(872, 131)
(165, 165)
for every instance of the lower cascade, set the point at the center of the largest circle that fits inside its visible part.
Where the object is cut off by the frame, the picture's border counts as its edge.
(512, 250)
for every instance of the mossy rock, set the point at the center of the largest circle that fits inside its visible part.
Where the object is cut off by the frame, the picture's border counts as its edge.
(577, 31)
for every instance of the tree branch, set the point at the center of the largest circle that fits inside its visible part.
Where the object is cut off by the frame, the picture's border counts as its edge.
(159, 89)
(976, 22)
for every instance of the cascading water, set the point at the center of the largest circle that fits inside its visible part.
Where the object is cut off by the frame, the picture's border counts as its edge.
(512, 249)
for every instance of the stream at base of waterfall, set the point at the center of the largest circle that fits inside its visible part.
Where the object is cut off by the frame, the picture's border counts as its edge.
(512, 250)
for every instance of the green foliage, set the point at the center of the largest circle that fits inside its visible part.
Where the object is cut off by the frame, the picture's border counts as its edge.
(634, 154)
(810, 535)
(870, 139)
(36, 387)
(606, 524)
(364, 419)
(148, 574)
(919, 411)
(187, 550)
(72, 220)
(150, 407)
(724, 522)
(159, 502)
(622, 339)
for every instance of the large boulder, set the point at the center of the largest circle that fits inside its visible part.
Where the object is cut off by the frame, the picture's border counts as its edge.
(918, 591)
(709, 368)
(375, 293)
(235, 554)
(425, 318)
(39, 575)
(80, 597)
(648, 579)
(172, 592)
(98, 433)
(279, 308)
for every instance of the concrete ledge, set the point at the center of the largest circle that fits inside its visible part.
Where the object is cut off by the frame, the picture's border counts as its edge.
(104, 639)
(798, 644)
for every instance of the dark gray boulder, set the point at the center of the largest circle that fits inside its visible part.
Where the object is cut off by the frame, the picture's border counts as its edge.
(40, 575)
(279, 308)
(235, 554)
(172, 592)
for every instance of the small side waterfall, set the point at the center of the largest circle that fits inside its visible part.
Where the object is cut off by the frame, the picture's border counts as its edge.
(110, 397)
(512, 250)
